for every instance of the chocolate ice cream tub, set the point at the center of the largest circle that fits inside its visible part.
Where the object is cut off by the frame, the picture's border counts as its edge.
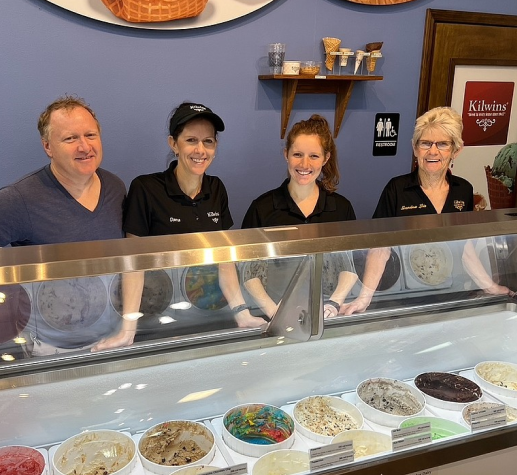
(256, 429)
(388, 401)
(96, 452)
(171, 445)
(447, 390)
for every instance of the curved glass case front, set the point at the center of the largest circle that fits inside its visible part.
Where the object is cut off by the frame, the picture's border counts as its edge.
(442, 304)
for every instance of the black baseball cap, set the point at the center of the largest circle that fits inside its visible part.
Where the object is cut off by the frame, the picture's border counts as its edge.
(187, 112)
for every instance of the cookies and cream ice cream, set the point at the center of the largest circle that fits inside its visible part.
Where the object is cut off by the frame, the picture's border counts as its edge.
(176, 443)
(94, 453)
(389, 396)
(317, 414)
(448, 387)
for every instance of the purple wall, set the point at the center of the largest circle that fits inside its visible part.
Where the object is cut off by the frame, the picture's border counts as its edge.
(133, 78)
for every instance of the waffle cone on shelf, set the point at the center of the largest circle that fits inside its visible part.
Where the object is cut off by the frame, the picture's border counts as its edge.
(139, 11)
(498, 193)
(371, 61)
(331, 46)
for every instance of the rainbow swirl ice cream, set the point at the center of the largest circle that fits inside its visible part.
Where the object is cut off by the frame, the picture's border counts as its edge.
(259, 424)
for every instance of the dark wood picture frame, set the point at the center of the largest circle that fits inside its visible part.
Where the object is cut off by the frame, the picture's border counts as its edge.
(454, 36)
(457, 37)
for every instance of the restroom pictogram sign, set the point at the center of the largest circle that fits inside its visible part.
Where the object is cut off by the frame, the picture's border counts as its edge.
(385, 134)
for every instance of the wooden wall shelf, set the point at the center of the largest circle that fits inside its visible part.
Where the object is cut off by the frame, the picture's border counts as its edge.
(341, 86)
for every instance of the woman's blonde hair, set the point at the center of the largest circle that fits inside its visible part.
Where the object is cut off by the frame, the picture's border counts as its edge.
(445, 119)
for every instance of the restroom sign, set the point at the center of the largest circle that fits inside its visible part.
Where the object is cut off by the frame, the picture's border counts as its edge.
(386, 133)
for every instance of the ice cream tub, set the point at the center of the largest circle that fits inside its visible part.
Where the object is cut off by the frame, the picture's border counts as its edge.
(99, 451)
(200, 287)
(171, 445)
(388, 401)
(390, 281)
(447, 390)
(282, 462)
(157, 293)
(321, 418)
(511, 412)
(440, 428)
(15, 311)
(256, 429)
(72, 304)
(195, 470)
(497, 377)
(21, 460)
(431, 264)
(366, 442)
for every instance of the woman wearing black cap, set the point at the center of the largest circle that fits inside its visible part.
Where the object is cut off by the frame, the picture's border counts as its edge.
(183, 199)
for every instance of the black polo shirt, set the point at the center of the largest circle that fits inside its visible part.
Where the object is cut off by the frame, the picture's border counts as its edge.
(403, 196)
(156, 206)
(277, 208)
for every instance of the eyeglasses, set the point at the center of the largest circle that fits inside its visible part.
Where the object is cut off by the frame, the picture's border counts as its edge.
(442, 146)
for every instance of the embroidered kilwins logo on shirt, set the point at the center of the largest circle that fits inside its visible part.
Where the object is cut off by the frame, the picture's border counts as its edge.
(175, 220)
(214, 215)
(459, 205)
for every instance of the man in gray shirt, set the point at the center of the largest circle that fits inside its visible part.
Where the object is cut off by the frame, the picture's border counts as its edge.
(70, 199)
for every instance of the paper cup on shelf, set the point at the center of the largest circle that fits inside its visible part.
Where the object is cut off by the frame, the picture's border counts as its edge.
(343, 60)
(291, 68)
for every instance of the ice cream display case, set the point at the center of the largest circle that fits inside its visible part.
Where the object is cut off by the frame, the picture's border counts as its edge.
(423, 381)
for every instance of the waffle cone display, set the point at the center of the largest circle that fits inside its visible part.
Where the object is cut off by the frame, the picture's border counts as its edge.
(371, 61)
(359, 55)
(498, 193)
(139, 11)
(331, 46)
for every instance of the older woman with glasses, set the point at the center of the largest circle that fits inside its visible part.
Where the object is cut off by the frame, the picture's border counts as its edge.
(430, 188)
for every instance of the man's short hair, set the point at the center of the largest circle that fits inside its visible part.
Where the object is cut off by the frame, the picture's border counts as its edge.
(67, 102)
